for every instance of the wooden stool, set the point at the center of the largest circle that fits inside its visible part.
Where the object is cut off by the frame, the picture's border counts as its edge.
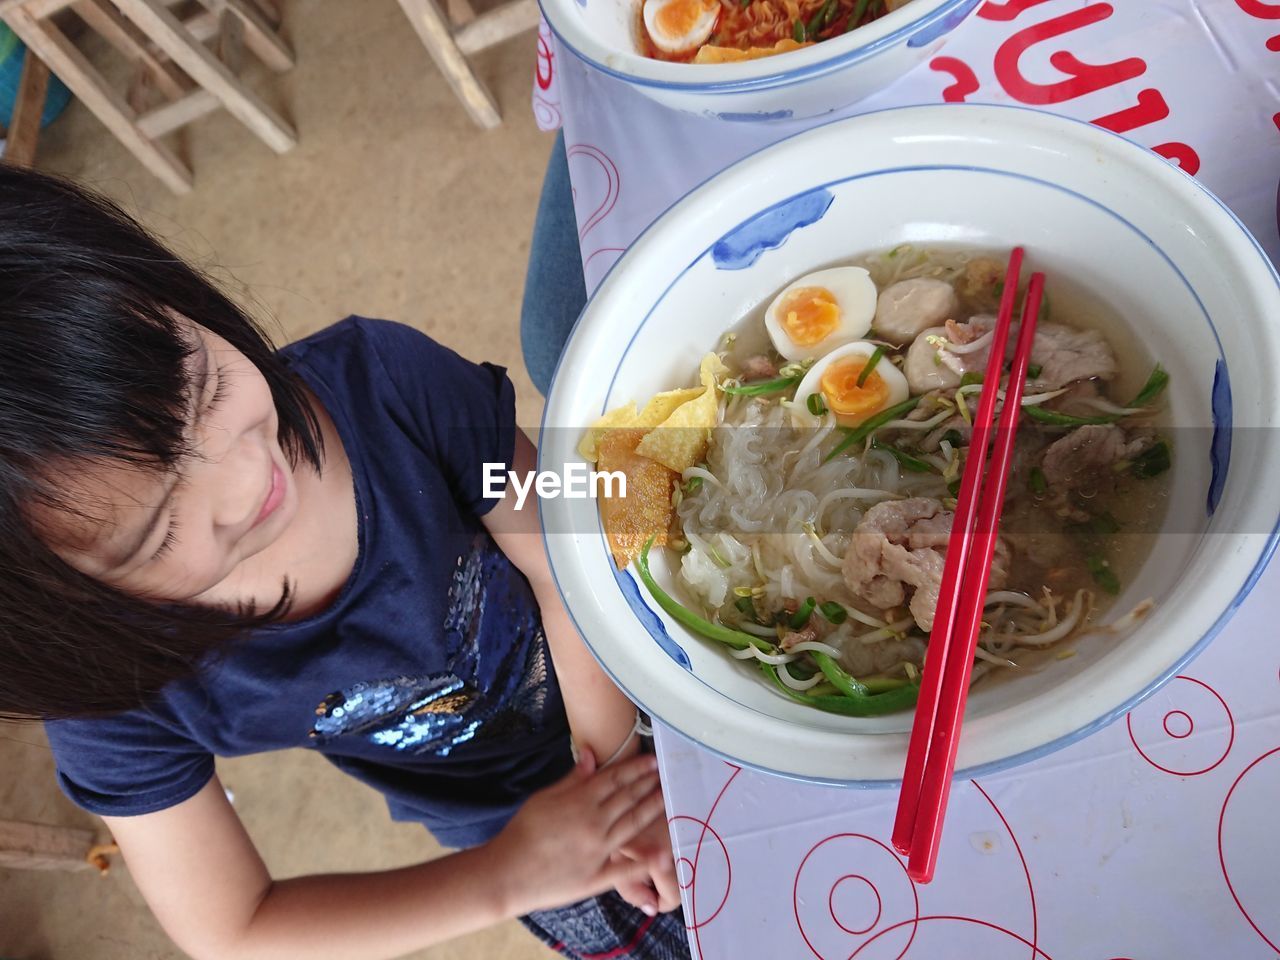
(24, 124)
(38, 846)
(450, 38)
(171, 59)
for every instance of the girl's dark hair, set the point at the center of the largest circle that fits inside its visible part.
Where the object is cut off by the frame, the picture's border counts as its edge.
(92, 351)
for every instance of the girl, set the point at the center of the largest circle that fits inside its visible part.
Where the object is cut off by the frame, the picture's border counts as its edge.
(208, 548)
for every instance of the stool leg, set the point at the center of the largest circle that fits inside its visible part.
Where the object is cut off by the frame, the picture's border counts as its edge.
(70, 66)
(258, 34)
(436, 36)
(167, 33)
(106, 21)
(24, 130)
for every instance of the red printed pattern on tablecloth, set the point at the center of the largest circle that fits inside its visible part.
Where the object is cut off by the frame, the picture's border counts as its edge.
(596, 175)
(1080, 77)
(1196, 757)
(546, 87)
(1263, 11)
(1250, 802)
(851, 896)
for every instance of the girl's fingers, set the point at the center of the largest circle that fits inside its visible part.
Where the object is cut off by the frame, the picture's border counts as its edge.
(628, 796)
(619, 776)
(631, 879)
(635, 821)
(662, 872)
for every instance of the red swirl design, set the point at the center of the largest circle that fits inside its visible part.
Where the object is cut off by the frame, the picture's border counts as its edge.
(1260, 797)
(1189, 767)
(867, 853)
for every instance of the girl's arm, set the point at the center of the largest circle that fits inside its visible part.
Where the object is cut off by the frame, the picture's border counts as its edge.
(202, 876)
(600, 715)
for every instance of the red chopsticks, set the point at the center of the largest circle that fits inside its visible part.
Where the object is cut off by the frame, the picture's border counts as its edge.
(944, 687)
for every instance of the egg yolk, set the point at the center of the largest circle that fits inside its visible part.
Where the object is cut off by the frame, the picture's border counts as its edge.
(809, 315)
(679, 17)
(839, 385)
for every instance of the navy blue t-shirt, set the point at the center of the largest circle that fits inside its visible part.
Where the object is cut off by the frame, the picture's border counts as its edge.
(429, 677)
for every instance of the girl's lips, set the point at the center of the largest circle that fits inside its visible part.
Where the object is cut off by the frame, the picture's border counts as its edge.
(275, 495)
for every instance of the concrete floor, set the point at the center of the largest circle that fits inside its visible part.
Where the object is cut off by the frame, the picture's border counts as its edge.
(393, 205)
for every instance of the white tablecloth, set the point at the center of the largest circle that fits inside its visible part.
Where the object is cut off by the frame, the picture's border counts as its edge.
(1154, 839)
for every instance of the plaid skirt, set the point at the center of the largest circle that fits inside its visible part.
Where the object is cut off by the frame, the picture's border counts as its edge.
(609, 928)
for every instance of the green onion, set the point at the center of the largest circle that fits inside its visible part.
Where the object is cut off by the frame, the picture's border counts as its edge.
(1065, 419)
(797, 31)
(954, 438)
(1154, 386)
(817, 406)
(1034, 370)
(746, 606)
(681, 614)
(953, 487)
(1039, 485)
(864, 705)
(896, 250)
(834, 612)
(1102, 573)
(1105, 524)
(839, 679)
(692, 485)
(1152, 462)
(801, 616)
(855, 18)
(881, 684)
(745, 4)
(821, 18)
(871, 365)
(1043, 315)
(867, 427)
(970, 378)
(909, 463)
(762, 387)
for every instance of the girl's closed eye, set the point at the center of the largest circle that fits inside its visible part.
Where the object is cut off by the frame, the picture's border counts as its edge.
(219, 389)
(170, 539)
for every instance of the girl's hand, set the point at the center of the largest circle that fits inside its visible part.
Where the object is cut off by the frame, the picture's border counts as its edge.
(560, 847)
(657, 890)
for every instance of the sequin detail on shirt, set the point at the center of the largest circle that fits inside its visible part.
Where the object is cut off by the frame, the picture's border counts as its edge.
(481, 694)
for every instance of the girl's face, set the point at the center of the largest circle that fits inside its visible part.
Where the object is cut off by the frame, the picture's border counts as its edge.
(191, 536)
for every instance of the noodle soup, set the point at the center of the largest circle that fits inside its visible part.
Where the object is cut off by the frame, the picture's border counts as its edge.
(806, 493)
(730, 31)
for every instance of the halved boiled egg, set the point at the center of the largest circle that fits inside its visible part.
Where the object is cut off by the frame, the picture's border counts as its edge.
(821, 311)
(680, 26)
(835, 379)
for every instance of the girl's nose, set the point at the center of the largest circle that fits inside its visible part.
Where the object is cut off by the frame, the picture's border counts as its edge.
(243, 484)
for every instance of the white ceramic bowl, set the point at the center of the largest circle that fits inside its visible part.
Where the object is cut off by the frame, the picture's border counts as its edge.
(803, 84)
(1087, 205)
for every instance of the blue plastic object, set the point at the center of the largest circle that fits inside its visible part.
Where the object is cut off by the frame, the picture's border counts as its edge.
(12, 55)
